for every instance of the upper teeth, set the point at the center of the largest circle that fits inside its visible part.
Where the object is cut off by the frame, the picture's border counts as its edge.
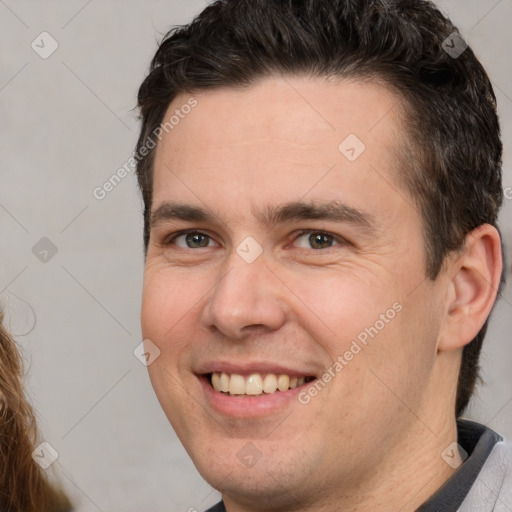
(254, 384)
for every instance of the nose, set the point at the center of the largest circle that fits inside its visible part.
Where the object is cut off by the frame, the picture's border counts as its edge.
(247, 299)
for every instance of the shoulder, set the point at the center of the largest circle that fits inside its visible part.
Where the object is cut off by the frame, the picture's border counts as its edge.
(217, 508)
(492, 490)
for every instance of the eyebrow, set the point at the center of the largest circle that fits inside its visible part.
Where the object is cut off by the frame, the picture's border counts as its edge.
(271, 216)
(333, 211)
(172, 211)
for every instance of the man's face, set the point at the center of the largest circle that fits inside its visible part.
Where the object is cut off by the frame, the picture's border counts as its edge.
(278, 248)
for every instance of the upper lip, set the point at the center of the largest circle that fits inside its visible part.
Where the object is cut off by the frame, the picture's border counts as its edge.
(247, 368)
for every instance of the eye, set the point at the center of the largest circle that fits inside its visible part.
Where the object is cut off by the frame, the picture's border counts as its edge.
(192, 240)
(315, 240)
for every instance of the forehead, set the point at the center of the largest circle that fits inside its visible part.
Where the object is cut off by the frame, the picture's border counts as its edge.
(281, 139)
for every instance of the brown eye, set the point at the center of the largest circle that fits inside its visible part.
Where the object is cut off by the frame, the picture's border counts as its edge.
(315, 240)
(195, 240)
(320, 240)
(192, 240)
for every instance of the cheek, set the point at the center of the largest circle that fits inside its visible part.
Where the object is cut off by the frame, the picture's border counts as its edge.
(341, 304)
(400, 358)
(375, 327)
(167, 320)
(167, 300)
(420, 326)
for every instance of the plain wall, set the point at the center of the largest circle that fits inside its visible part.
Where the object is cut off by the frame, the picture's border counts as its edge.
(67, 125)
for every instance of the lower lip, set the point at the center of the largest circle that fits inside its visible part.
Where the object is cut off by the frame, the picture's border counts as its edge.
(249, 406)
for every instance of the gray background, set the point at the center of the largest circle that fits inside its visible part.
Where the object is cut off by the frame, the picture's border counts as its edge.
(67, 125)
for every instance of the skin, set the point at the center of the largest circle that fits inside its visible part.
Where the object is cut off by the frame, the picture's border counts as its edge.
(372, 438)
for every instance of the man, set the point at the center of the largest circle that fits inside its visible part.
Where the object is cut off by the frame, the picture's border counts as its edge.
(322, 181)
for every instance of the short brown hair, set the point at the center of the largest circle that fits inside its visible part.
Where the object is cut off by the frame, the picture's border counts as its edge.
(453, 170)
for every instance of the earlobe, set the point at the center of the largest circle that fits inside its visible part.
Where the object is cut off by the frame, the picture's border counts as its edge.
(473, 288)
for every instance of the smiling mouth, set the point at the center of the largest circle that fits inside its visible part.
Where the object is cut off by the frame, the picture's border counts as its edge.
(255, 384)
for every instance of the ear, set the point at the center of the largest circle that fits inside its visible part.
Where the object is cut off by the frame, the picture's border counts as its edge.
(475, 278)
